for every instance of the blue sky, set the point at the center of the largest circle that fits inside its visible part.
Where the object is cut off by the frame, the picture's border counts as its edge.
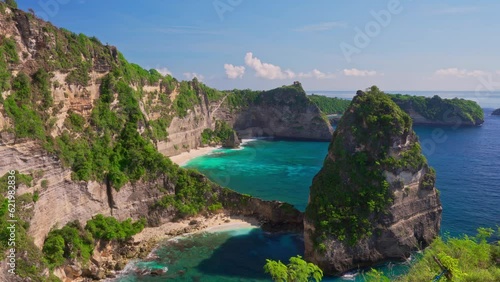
(327, 45)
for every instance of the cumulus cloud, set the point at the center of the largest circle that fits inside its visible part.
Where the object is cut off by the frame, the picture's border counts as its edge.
(460, 72)
(321, 26)
(266, 70)
(164, 71)
(316, 74)
(191, 75)
(234, 72)
(357, 72)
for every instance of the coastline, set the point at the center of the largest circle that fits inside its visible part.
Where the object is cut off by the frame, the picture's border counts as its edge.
(185, 157)
(216, 223)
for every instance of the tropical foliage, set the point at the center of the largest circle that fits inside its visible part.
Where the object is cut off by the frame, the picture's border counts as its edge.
(330, 105)
(297, 270)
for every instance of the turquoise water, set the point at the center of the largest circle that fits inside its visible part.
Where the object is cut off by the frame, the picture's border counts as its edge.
(270, 170)
(466, 161)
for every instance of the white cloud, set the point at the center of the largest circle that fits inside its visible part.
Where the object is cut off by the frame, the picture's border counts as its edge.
(234, 72)
(321, 26)
(460, 72)
(316, 74)
(356, 72)
(164, 71)
(191, 75)
(265, 70)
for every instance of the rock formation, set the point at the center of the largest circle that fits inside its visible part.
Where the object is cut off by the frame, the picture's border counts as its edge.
(374, 199)
(232, 142)
(284, 112)
(496, 112)
(439, 111)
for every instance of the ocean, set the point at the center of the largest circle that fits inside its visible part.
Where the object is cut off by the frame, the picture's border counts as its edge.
(466, 160)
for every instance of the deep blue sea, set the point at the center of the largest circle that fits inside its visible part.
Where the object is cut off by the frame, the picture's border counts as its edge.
(466, 160)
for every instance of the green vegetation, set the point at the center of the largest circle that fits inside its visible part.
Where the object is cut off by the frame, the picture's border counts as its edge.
(11, 3)
(80, 75)
(74, 122)
(193, 194)
(330, 105)
(237, 99)
(29, 263)
(221, 133)
(108, 228)
(20, 107)
(187, 98)
(69, 242)
(212, 94)
(8, 55)
(297, 270)
(75, 242)
(20, 178)
(437, 109)
(467, 259)
(349, 194)
(159, 128)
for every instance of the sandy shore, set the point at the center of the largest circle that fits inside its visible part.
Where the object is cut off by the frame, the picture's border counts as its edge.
(184, 157)
(216, 223)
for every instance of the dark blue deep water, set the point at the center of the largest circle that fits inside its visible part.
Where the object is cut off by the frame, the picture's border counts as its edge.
(466, 160)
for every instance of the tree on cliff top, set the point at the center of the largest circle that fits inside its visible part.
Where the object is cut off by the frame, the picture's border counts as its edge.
(298, 270)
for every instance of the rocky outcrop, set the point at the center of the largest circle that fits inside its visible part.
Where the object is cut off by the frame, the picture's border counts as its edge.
(438, 111)
(284, 113)
(232, 142)
(496, 112)
(374, 199)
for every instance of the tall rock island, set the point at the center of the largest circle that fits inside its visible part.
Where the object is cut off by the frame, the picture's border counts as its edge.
(374, 199)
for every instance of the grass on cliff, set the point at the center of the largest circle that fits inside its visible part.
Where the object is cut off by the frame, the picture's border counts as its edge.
(468, 259)
(330, 105)
(349, 194)
(445, 110)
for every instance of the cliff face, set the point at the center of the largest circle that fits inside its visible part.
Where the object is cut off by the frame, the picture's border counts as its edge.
(72, 108)
(439, 111)
(64, 200)
(374, 199)
(284, 112)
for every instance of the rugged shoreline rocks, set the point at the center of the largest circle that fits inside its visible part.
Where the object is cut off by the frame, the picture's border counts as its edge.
(374, 199)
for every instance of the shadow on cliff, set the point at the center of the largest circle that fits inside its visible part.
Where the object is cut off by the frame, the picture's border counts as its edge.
(245, 255)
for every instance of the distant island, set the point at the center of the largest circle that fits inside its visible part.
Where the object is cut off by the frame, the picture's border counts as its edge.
(496, 112)
(423, 110)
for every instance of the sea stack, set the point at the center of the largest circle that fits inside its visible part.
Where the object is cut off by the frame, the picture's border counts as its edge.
(374, 199)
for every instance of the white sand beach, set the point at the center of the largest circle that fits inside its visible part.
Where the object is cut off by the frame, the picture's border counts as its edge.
(215, 223)
(184, 157)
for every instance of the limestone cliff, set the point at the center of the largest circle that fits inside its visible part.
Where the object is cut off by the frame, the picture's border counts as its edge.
(89, 127)
(284, 112)
(374, 199)
(438, 111)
